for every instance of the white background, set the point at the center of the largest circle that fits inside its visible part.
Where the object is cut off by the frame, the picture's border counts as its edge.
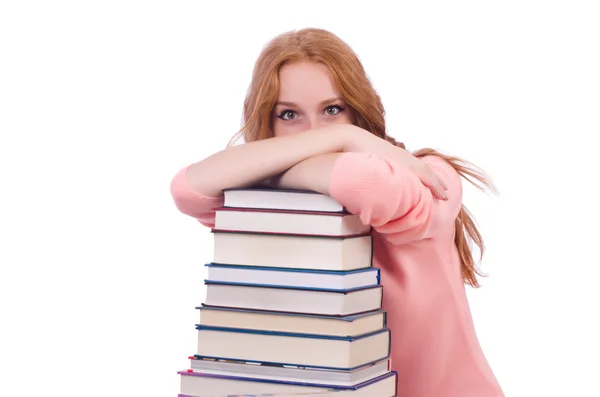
(102, 102)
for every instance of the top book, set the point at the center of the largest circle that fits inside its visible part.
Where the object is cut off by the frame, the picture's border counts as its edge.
(280, 199)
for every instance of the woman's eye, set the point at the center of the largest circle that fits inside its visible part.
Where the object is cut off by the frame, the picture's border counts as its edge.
(287, 115)
(333, 110)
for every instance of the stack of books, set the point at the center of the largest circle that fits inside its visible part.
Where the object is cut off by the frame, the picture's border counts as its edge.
(293, 303)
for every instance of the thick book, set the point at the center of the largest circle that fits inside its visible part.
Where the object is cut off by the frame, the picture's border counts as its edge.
(295, 278)
(291, 222)
(290, 373)
(198, 384)
(335, 352)
(293, 322)
(293, 251)
(285, 199)
(294, 300)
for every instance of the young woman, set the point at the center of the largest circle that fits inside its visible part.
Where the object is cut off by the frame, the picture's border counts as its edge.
(313, 121)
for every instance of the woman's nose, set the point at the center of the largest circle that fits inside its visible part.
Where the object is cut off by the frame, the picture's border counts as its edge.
(316, 122)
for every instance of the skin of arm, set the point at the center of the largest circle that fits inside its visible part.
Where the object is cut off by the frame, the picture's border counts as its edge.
(253, 162)
(311, 174)
(314, 173)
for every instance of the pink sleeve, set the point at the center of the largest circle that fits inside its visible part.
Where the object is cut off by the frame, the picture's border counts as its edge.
(392, 199)
(192, 203)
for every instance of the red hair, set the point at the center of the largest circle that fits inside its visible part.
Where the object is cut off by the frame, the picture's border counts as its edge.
(321, 46)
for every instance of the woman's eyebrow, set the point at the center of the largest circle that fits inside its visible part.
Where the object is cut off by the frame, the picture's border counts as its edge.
(292, 104)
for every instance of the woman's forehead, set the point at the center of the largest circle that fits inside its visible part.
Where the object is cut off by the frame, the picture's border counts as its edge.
(306, 82)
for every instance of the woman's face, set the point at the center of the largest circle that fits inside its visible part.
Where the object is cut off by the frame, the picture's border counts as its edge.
(307, 99)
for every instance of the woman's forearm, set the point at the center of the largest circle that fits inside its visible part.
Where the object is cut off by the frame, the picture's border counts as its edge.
(251, 163)
(313, 174)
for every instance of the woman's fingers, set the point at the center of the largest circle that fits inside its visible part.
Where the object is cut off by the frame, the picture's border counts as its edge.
(432, 181)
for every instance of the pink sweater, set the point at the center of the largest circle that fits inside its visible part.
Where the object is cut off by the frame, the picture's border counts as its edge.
(434, 345)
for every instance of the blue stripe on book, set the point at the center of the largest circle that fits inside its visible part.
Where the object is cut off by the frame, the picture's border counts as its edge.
(350, 318)
(326, 393)
(294, 270)
(262, 380)
(291, 286)
(303, 236)
(201, 327)
(289, 365)
(319, 367)
(335, 291)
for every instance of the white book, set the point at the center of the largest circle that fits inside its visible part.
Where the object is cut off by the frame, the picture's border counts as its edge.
(295, 278)
(285, 199)
(289, 222)
(331, 303)
(292, 322)
(260, 370)
(292, 251)
(195, 384)
(335, 352)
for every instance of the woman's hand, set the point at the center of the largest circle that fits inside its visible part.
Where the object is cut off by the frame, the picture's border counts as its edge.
(363, 141)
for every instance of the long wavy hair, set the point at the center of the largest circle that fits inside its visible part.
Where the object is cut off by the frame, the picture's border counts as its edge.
(322, 46)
